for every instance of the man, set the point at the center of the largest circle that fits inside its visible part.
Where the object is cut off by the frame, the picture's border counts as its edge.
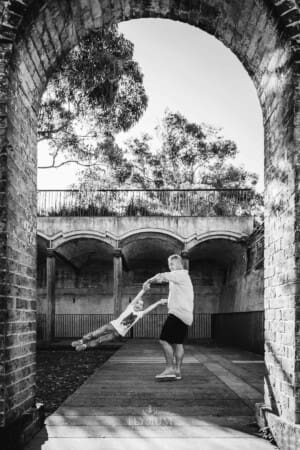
(180, 315)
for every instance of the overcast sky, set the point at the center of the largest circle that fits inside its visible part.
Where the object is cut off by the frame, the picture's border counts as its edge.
(189, 71)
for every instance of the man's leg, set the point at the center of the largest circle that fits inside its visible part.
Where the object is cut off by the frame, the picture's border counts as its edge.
(168, 373)
(169, 354)
(179, 354)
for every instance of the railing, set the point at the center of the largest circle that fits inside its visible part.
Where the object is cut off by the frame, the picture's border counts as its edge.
(75, 325)
(151, 202)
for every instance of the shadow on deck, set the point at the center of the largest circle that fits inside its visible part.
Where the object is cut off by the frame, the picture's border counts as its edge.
(121, 406)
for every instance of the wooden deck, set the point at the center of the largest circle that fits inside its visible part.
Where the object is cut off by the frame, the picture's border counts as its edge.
(121, 406)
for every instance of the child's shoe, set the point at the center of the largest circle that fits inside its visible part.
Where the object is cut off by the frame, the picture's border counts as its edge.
(76, 343)
(81, 347)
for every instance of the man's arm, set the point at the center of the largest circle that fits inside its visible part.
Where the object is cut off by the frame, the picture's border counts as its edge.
(166, 277)
(158, 278)
(163, 301)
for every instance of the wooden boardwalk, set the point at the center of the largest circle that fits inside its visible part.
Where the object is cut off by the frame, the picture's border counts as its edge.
(121, 406)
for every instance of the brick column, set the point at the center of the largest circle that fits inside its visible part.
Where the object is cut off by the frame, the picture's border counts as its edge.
(50, 316)
(118, 269)
(17, 255)
(281, 263)
(185, 259)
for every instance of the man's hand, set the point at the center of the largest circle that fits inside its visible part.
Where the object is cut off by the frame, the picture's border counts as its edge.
(163, 301)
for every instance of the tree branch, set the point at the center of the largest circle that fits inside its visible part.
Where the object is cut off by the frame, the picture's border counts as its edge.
(53, 166)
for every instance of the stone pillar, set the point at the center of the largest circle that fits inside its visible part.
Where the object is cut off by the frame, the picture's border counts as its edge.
(185, 260)
(118, 269)
(50, 315)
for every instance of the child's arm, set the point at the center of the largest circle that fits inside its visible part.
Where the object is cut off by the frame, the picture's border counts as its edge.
(140, 295)
(163, 301)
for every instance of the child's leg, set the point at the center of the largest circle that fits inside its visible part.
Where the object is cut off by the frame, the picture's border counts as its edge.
(95, 342)
(97, 333)
(107, 328)
(104, 338)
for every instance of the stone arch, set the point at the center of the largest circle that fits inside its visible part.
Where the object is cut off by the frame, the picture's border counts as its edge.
(264, 35)
(63, 238)
(149, 233)
(80, 246)
(193, 241)
(141, 245)
(222, 249)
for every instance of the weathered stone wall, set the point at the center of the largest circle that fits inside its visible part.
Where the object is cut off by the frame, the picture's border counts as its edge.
(243, 288)
(187, 230)
(207, 278)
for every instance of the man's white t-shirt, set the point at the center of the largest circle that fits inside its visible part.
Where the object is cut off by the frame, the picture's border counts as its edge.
(181, 294)
(126, 320)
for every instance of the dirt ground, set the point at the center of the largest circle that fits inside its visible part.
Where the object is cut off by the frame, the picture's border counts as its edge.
(60, 372)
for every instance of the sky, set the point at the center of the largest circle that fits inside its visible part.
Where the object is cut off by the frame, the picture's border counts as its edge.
(189, 71)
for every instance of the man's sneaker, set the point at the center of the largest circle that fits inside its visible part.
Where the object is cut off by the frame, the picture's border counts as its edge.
(166, 375)
(178, 375)
(81, 347)
(76, 343)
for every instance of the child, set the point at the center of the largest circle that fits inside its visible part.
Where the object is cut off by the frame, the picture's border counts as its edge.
(119, 326)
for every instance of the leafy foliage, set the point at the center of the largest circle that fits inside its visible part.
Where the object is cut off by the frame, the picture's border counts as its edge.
(187, 155)
(97, 92)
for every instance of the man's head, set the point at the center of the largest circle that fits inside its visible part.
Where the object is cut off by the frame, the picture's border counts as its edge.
(175, 262)
(139, 305)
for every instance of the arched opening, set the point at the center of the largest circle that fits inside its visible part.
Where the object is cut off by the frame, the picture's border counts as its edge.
(251, 30)
(210, 263)
(229, 282)
(74, 287)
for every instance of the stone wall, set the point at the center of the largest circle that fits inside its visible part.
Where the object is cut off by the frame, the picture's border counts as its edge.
(240, 318)
(119, 229)
(243, 288)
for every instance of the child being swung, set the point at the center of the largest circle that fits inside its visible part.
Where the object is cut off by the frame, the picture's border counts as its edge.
(120, 326)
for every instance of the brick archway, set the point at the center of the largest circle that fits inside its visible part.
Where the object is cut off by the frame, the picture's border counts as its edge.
(34, 35)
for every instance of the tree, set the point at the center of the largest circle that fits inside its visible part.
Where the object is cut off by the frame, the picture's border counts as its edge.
(96, 92)
(188, 155)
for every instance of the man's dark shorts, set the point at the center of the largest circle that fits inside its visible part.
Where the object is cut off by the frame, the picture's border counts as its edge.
(174, 331)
